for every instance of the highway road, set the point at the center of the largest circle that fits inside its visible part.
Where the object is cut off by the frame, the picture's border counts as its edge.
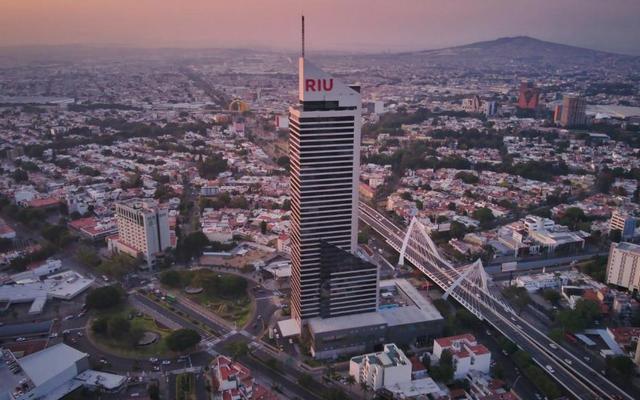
(568, 370)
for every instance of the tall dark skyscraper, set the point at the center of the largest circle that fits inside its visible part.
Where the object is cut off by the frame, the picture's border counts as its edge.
(324, 149)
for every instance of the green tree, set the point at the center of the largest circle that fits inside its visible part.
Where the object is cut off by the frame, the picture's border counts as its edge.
(212, 166)
(621, 367)
(484, 215)
(182, 339)
(118, 327)
(87, 256)
(171, 278)
(20, 175)
(467, 177)
(105, 297)
(263, 227)
(457, 230)
(444, 371)
(581, 317)
(100, 325)
(552, 296)
(518, 296)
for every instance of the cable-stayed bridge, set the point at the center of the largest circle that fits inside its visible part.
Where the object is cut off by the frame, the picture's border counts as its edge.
(469, 286)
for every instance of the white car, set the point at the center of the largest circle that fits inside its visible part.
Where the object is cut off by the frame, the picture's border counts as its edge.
(53, 335)
(550, 369)
(153, 360)
(21, 339)
(166, 362)
(568, 361)
(553, 346)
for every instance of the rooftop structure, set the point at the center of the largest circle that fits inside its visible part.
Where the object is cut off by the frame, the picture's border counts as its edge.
(382, 369)
(51, 374)
(403, 319)
(468, 354)
(65, 285)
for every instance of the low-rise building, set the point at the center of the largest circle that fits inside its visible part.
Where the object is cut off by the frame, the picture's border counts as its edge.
(403, 319)
(381, 369)
(468, 355)
(51, 374)
(233, 381)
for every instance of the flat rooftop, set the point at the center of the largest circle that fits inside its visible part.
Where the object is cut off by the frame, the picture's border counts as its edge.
(47, 363)
(415, 308)
(65, 285)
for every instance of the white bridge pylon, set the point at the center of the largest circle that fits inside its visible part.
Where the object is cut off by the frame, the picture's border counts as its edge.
(473, 273)
(418, 233)
(468, 284)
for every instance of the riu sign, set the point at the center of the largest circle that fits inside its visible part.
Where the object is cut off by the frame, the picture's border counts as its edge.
(318, 85)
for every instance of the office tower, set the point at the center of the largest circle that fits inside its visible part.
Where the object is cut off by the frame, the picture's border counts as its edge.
(529, 96)
(348, 284)
(573, 111)
(143, 229)
(557, 114)
(490, 108)
(623, 267)
(624, 222)
(324, 150)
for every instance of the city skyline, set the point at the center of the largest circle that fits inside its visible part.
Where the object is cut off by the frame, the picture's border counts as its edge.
(410, 25)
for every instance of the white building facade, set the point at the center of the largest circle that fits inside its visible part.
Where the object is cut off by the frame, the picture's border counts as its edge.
(381, 370)
(468, 355)
(623, 267)
(143, 229)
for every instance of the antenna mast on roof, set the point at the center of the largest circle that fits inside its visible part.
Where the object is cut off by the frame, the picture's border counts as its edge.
(302, 36)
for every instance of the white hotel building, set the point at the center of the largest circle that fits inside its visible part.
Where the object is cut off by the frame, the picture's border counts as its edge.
(324, 146)
(143, 229)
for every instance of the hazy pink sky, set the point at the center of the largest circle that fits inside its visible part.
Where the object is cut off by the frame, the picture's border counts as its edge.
(366, 25)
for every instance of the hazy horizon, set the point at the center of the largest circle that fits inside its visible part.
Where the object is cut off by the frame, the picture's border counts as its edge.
(362, 26)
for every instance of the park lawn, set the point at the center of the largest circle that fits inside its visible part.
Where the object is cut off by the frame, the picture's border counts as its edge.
(237, 310)
(124, 349)
(185, 387)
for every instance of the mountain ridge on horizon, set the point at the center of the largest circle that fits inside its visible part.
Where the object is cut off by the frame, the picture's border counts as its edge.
(500, 41)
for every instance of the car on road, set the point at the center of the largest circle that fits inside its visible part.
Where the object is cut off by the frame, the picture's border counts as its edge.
(21, 339)
(153, 360)
(587, 358)
(53, 335)
(550, 369)
(568, 361)
(68, 317)
(80, 334)
(104, 361)
(166, 362)
(553, 346)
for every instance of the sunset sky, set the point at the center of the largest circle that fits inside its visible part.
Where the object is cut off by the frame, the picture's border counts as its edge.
(351, 25)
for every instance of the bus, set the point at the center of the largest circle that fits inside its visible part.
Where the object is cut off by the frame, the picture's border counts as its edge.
(171, 298)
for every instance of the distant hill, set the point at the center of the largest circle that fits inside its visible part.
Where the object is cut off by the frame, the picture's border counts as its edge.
(518, 50)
